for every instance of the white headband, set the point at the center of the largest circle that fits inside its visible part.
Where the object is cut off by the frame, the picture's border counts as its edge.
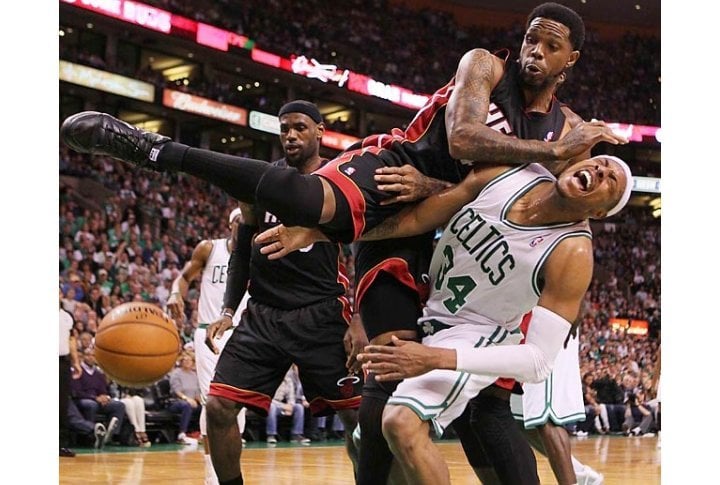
(628, 186)
(235, 212)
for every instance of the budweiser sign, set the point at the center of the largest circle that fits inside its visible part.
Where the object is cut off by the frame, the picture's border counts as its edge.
(204, 107)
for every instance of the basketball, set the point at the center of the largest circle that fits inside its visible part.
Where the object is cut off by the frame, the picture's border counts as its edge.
(136, 344)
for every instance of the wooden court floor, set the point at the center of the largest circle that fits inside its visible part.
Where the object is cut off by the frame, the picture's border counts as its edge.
(626, 461)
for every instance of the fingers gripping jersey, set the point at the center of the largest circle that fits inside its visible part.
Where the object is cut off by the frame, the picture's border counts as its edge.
(486, 269)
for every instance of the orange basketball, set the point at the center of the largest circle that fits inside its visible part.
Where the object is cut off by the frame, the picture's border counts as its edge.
(136, 344)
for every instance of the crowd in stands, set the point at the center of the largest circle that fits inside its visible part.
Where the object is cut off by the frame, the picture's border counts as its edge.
(421, 48)
(626, 70)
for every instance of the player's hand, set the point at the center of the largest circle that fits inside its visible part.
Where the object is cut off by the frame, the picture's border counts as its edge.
(407, 183)
(279, 241)
(176, 306)
(216, 330)
(584, 136)
(355, 341)
(405, 359)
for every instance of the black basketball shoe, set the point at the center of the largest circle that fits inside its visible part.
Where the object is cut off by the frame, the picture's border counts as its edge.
(101, 134)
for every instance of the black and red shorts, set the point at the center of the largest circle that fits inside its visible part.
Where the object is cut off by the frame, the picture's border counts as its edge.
(353, 174)
(404, 260)
(268, 340)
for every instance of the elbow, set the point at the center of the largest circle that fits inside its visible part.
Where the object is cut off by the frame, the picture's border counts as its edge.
(458, 142)
(464, 143)
(538, 375)
(540, 367)
(456, 149)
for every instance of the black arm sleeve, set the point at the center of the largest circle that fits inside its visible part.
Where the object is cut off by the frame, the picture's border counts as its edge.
(239, 266)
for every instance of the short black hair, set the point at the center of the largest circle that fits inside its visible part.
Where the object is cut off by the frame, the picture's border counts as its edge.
(566, 16)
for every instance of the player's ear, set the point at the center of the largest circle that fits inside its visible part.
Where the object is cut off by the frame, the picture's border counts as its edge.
(574, 56)
(599, 214)
(320, 130)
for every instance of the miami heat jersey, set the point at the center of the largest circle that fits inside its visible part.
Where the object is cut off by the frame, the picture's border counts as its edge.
(303, 277)
(424, 143)
(487, 269)
(212, 283)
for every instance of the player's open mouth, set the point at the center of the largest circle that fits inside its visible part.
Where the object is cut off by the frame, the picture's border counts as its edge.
(585, 179)
(292, 149)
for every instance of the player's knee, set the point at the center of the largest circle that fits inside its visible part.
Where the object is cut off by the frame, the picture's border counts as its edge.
(294, 198)
(221, 411)
(349, 418)
(399, 427)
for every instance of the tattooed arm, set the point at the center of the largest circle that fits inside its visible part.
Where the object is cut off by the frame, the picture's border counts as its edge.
(470, 139)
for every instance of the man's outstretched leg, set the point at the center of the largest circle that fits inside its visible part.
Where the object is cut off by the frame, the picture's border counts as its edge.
(305, 200)
(225, 440)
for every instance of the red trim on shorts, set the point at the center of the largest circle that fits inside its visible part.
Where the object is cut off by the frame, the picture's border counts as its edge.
(347, 310)
(398, 268)
(342, 269)
(332, 172)
(506, 382)
(255, 400)
(320, 404)
(345, 282)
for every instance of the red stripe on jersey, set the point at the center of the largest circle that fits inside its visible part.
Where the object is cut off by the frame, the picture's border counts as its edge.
(342, 270)
(505, 383)
(347, 309)
(508, 383)
(419, 124)
(255, 400)
(425, 115)
(398, 268)
(525, 324)
(345, 282)
(354, 196)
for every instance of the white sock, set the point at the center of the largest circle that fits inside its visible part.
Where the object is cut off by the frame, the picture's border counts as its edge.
(577, 466)
(209, 470)
(241, 420)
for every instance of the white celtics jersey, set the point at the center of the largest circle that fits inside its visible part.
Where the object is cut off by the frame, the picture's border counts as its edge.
(212, 283)
(486, 269)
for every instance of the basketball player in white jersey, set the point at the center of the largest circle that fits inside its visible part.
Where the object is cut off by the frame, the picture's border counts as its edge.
(546, 407)
(210, 261)
(518, 239)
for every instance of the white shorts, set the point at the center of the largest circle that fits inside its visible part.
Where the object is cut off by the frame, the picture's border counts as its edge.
(558, 398)
(205, 359)
(440, 396)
